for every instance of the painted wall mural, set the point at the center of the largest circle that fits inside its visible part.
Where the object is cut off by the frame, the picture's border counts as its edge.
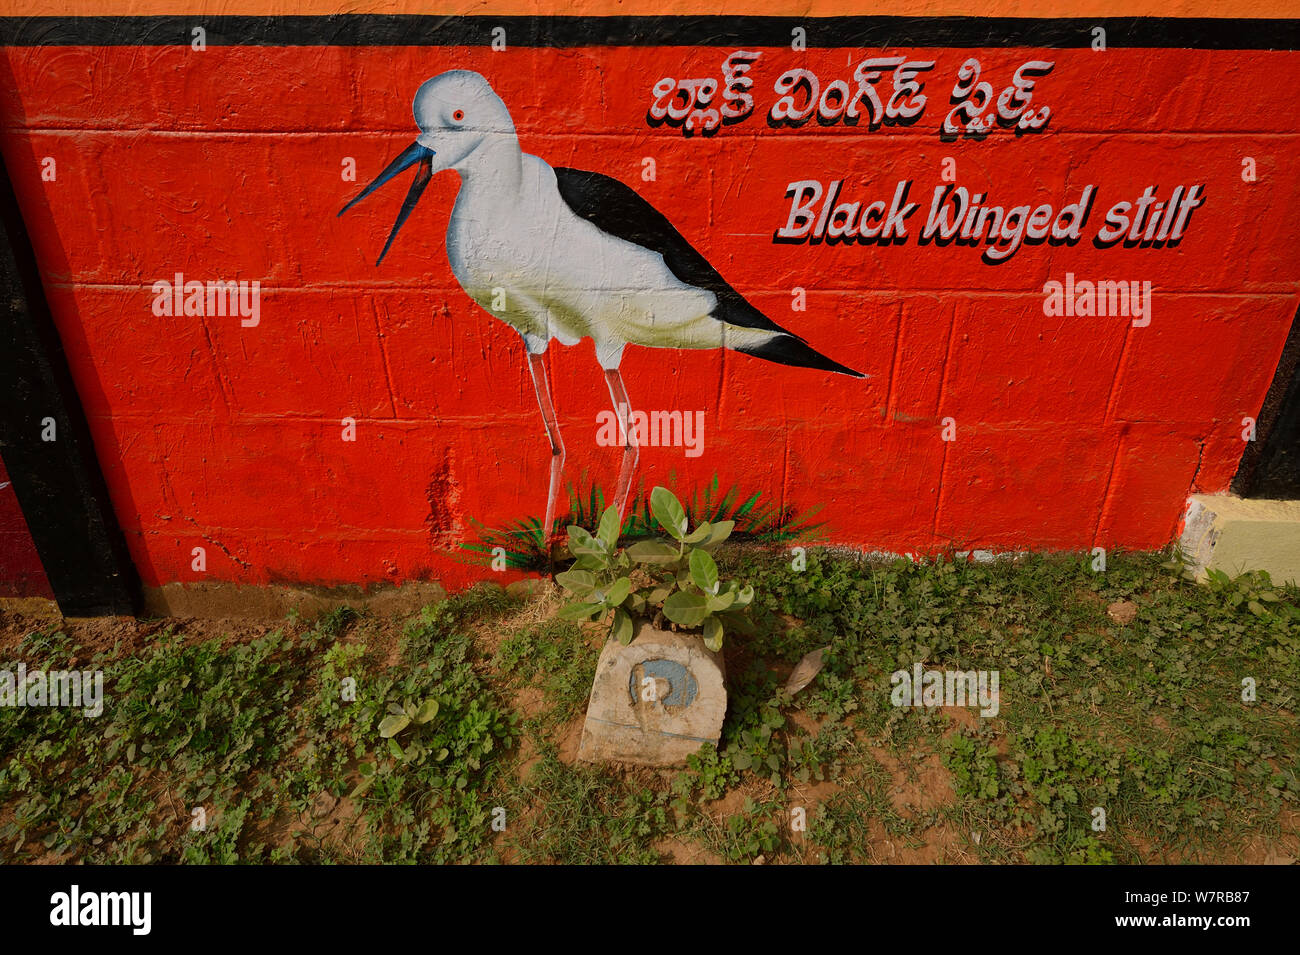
(565, 255)
(948, 287)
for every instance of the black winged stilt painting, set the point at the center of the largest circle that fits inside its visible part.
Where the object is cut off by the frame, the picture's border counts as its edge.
(564, 254)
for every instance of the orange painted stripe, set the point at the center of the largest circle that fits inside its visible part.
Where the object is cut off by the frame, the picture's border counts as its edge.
(1040, 9)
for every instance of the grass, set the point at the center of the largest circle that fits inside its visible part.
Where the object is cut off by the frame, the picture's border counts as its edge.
(552, 656)
(270, 750)
(587, 816)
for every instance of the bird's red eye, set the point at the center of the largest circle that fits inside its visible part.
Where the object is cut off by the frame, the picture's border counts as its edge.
(458, 115)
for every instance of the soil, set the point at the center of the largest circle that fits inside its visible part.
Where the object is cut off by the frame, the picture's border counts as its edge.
(1123, 612)
(124, 635)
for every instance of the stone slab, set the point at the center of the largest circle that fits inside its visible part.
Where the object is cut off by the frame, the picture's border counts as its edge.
(1231, 534)
(655, 701)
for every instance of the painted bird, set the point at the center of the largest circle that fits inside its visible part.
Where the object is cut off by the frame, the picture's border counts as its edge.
(565, 254)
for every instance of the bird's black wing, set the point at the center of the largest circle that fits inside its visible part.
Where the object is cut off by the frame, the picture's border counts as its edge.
(615, 208)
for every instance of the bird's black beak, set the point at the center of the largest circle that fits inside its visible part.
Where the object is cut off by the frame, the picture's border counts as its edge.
(414, 153)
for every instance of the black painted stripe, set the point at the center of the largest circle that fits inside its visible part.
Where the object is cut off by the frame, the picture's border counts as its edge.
(58, 483)
(717, 31)
(1270, 465)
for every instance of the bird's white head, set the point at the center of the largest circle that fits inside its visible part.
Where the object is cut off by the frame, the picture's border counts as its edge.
(458, 114)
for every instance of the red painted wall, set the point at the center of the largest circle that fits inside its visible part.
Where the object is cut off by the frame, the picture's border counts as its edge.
(1071, 432)
(21, 574)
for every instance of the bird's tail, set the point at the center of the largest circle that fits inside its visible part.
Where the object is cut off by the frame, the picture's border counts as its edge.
(786, 349)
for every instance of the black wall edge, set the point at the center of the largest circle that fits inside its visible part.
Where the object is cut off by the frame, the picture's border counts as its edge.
(1270, 467)
(58, 483)
(367, 29)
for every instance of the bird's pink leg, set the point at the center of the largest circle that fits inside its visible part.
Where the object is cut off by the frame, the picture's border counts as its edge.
(537, 366)
(631, 453)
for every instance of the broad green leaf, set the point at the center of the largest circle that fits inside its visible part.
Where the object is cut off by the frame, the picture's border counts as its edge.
(578, 535)
(618, 592)
(578, 582)
(700, 533)
(366, 769)
(667, 510)
(581, 542)
(744, 596)
(635, 604)
(390, 726)
(578, 611)
(621, 629)
(713, 633)
(704, 571)
(395, 748)
(718, 533)
(653, 552)
(721, 602)
(609, 527)
(685, 608)
(737, 621)
(427, 711)
(658, 595)
(594, 547)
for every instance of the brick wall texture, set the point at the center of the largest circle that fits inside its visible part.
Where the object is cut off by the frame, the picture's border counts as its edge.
(1069, 431)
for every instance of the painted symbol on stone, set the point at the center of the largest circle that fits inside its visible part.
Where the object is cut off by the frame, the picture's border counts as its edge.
(674, 686)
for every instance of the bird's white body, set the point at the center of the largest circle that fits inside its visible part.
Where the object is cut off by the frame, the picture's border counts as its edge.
(522, 254)
(530, 254)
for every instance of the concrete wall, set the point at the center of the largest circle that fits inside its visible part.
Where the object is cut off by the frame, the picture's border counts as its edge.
(230, 164)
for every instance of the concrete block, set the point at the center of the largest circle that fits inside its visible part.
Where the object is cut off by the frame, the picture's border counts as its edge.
(655, 701)
(1227, 533)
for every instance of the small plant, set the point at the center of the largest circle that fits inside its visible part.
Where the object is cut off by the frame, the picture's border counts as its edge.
(655, 579)
(1252, 590)
(710, 772)
(417, 718)
(750, 833)
(525, 545)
